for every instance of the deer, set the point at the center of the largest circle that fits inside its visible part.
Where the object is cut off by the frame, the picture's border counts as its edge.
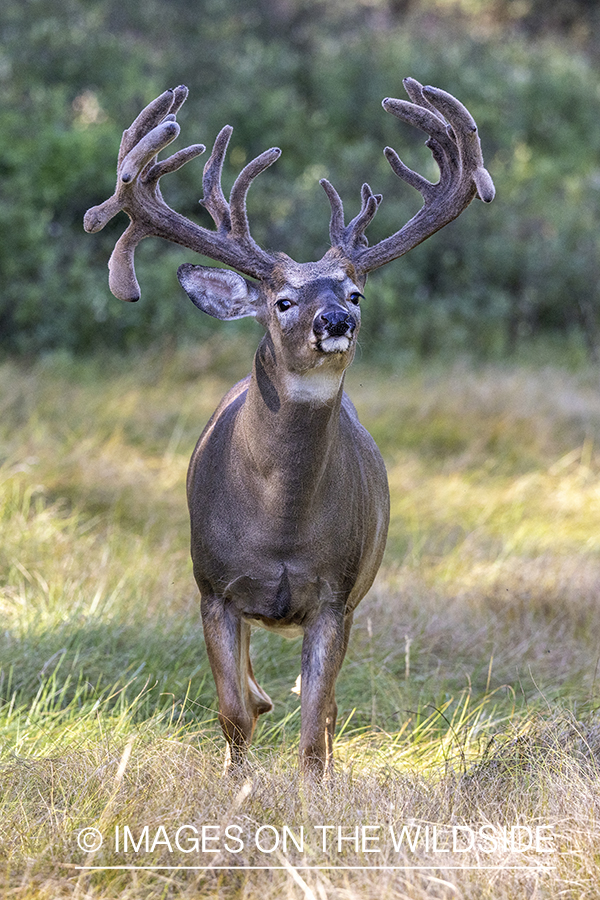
(287, 492)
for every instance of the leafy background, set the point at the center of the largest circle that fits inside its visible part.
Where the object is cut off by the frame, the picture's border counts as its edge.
(308, 76)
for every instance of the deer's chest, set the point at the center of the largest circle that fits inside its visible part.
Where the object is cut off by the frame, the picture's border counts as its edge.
(277, 541)
(272, 544)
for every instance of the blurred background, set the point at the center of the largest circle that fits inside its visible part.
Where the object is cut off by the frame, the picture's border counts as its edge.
(308, 76)
(471, 689)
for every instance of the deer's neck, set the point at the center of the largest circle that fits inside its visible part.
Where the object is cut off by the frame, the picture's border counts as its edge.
(290, 428)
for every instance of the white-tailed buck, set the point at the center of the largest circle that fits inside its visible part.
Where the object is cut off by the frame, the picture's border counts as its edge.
(287, 492)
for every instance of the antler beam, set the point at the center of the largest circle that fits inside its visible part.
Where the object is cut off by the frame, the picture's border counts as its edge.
(138, 194)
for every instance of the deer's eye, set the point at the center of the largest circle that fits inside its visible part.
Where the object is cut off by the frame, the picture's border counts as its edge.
(284, 304)
(356, 297)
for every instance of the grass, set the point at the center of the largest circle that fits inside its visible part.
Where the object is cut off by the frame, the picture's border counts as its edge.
(468, 698)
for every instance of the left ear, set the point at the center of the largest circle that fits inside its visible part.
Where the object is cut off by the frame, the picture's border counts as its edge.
(220, 292)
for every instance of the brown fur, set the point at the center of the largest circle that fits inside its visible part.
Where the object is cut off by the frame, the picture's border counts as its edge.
(287, 492)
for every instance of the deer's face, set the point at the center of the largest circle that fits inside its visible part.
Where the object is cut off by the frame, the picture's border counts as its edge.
(310, 310)
(312, 313)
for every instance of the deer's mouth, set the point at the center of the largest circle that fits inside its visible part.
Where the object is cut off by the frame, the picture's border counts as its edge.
(334, 343)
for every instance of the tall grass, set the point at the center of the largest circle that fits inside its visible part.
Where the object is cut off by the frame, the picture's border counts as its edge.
(468, 696)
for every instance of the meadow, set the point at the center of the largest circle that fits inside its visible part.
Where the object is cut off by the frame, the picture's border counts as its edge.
(467, 702)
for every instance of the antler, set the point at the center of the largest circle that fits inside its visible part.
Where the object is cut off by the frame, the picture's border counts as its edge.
(138, 194)
(454, 143)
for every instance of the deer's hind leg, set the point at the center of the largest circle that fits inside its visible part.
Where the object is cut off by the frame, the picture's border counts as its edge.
(241, 699)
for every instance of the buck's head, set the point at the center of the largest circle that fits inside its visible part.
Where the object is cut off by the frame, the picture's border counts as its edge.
(311, 311)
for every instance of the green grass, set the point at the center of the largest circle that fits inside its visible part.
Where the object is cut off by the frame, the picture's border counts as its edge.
(470, 689)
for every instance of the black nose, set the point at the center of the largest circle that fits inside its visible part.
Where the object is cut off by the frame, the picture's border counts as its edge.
(336, 322)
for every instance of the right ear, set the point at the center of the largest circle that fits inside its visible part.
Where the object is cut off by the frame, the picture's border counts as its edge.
(220, 292)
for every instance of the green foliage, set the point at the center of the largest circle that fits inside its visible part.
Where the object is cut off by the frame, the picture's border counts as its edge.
(307, 77)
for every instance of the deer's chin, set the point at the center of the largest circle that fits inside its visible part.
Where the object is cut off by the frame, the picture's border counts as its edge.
(335, 344)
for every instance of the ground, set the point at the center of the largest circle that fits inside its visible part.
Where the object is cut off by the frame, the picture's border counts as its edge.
(467, 700)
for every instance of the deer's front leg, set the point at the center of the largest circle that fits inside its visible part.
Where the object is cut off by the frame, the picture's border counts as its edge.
(323, 651)
(241, 700)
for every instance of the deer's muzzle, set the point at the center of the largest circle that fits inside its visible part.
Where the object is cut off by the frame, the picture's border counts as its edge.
(335, 322)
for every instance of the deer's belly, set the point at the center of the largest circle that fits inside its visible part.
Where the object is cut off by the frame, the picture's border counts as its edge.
(283, 629)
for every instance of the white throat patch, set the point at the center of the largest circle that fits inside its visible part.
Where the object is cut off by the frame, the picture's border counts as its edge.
(313, 386)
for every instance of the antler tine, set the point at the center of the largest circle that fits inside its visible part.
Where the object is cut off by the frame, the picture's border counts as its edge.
(465, 131)
(356, 228)
(484, 184)
(240, 228)
(214, 198)
(147, 149)
(422, 118)
(425, 187)
(174, 162)
(180, 95)
(336, 224)
(455, 146)
(149, 117)
(351, 236)
(122, 279)
(415, 91)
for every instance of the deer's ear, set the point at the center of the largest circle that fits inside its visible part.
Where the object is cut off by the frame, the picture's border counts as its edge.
(220, 292)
